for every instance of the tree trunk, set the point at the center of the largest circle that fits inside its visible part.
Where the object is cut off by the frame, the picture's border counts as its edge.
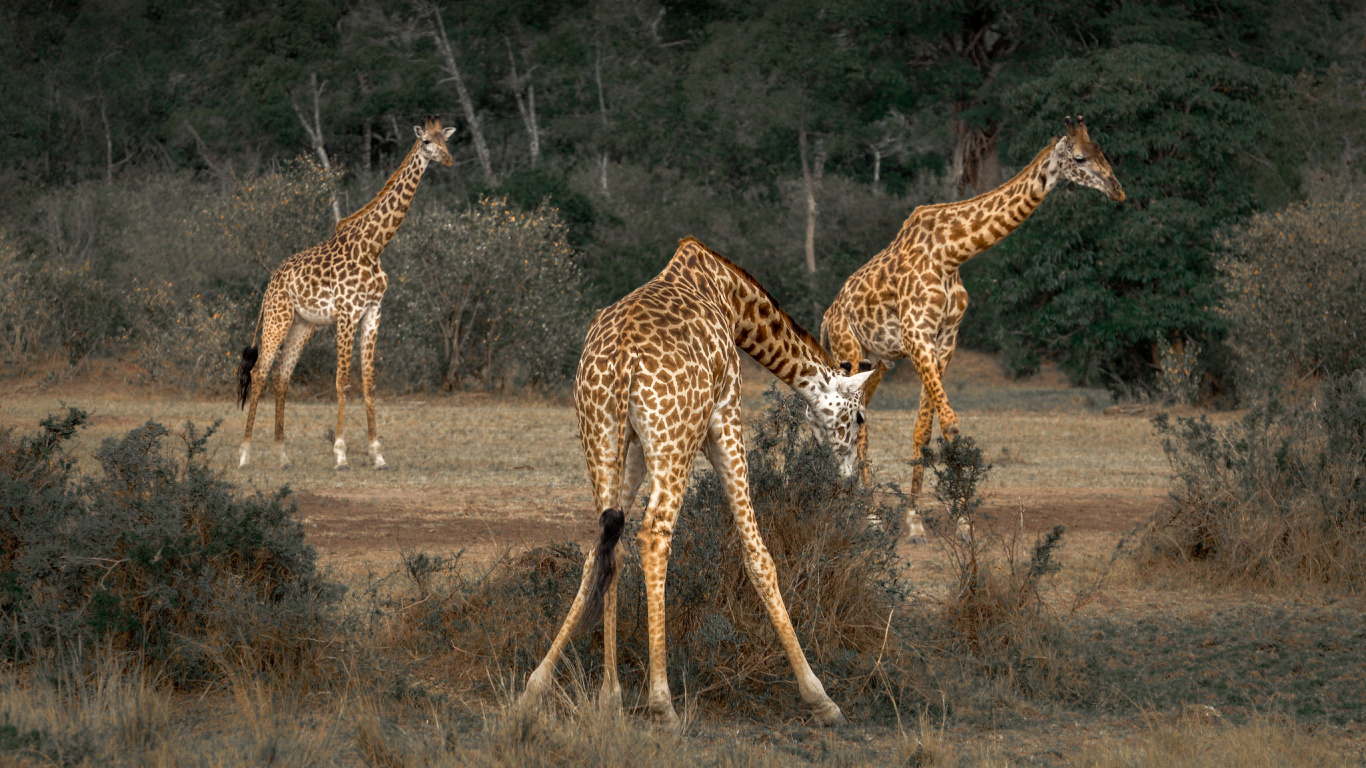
(976, 161)
(811, 177)
(602, 112)
(108, 145)
(443, 44)
(315, 135)
(367, 135)
(526, 106)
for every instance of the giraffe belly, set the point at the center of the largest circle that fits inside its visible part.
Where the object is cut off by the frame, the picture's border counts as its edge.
(314, 315)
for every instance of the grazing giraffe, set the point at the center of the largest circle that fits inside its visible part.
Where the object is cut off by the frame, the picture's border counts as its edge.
(908, 300)
(659, 379)
(337, 281)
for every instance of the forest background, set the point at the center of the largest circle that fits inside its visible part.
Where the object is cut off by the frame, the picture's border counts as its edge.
(159, 157)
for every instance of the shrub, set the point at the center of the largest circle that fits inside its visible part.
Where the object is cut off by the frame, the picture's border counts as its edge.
(995, 622)
(1275, 500)
(155, 556)
(843, 583)
(840, 578)
(487, 296)
(1294, 287)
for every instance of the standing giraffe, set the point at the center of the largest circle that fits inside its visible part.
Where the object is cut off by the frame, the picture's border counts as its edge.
(337, 281)
(908, 300)
(659, 379)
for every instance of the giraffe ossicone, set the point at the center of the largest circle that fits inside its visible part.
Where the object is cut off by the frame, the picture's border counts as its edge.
(908, 300)
(659, 381)
(340, 281)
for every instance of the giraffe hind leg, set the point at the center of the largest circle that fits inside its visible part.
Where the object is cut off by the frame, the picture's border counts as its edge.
(346, 337)
(369, 328)
(277, 316)
(298, 336)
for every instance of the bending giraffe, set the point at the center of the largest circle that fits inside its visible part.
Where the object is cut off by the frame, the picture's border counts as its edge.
(908, 300)
(337, 281)
(658, 381)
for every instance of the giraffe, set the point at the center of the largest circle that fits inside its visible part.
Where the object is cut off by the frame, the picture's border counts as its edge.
(659, 380)
(340, 281)
(908, 300)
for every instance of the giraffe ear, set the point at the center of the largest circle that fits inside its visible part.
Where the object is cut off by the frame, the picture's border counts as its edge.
(852, 386)
(417, 129)
(449, 132)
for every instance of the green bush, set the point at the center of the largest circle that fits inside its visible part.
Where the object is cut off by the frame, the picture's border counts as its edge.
(155, 556)
(1295, 283)
(1275, 500)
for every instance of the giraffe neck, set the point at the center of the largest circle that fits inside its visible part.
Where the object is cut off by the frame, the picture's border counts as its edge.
(380, 218)
(974, 225)
(762, 329)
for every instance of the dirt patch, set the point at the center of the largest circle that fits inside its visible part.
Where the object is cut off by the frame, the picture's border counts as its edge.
(482, 521)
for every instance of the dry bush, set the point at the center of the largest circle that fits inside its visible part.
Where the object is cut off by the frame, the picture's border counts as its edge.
(1294, 295)
(155, 557)
(1276, 500)
(995, 622)
(841, 580)
(484, 296)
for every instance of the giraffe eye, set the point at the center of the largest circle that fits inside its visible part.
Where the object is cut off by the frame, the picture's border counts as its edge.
(858, 417)
(1080, 159)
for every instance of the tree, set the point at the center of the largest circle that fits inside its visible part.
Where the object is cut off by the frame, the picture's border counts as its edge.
(1098, 284)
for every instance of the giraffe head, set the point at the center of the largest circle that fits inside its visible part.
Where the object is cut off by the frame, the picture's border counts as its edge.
(433, 138)
(1078, 159)
(834, 409)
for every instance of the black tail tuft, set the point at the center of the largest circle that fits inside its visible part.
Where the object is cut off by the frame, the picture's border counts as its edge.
(604, 566)
(249, 355)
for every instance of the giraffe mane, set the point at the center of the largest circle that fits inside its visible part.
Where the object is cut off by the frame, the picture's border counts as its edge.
(387, 186)
(1023, 173)
(797, 328)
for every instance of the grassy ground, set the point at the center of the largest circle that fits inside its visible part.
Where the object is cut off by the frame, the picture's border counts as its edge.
(485, 475)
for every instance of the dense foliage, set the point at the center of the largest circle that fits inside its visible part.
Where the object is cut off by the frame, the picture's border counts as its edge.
(747, 124)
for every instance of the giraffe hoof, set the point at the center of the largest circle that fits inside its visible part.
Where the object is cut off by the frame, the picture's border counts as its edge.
(382, 468)
(245, 467)
(343, 468)
(918, 541)
(950, 432)
(830, 715)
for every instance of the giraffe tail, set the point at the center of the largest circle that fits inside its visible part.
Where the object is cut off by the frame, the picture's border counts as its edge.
(249, 355)
(612, 520)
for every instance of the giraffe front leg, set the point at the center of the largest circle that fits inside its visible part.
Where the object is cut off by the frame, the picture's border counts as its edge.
(924, 425)
(369, 331)
(726, 451)
(346, 336)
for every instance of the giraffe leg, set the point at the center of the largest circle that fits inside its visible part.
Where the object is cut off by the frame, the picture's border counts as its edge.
(369, 329)
(654, 542)
(865, 465)
(539, 681)
(298, 336)
(726, 450)
(346, 337)
(277, 316)
(633, 474)
(924, 425)
(608, 494)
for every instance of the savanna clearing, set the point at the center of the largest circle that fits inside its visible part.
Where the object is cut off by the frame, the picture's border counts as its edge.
(1186, 675)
